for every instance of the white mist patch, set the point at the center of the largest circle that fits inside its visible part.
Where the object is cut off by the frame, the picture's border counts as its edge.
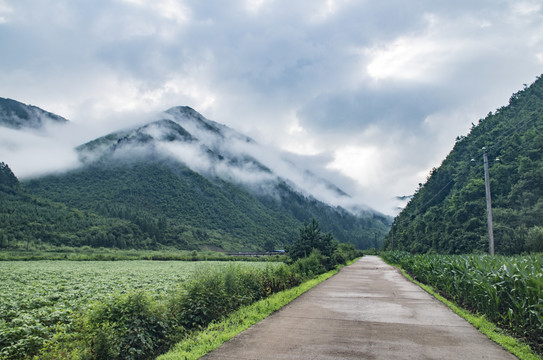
(248, 162)
(360, 163)
(31, 154)
(195, 156)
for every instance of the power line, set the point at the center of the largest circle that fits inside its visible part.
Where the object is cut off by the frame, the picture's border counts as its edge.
(493, 145)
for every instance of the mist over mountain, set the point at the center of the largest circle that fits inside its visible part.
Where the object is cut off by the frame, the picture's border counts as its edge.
(16, 115)
(215, 150)
(185, 181)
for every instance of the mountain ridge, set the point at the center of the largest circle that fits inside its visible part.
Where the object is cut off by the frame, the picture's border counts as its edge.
(188, 182)
(16, 115)
(448, 213)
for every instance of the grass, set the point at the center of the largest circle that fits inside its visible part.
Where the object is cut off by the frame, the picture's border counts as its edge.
(491, 330)
(197, 344)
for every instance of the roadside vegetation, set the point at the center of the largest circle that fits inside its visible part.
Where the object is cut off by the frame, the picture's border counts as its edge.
(508, 291)
(79, 313)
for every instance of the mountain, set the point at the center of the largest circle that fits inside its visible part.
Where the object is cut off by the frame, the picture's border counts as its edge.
(188, 182)
(26, 219)
(16, 115)
(448, 213)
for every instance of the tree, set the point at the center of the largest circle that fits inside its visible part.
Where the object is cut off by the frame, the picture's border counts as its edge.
(309, 238)
(534, 241)
(7, 179)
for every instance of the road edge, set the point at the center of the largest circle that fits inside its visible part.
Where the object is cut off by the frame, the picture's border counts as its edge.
(198, 344)
(516, 347)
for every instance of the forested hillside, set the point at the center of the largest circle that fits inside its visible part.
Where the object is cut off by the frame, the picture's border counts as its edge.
(28, 221)
(174, 206)
(448, 213)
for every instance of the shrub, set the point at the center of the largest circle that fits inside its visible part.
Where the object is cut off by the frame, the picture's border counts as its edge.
(311, 265)
(213, 294)
(128, 326)
(135, 326)
(534, 240)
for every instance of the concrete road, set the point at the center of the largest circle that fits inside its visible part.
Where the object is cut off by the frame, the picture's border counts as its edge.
(367, 311)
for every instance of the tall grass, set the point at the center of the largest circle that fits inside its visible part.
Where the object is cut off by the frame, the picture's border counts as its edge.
(506, 290)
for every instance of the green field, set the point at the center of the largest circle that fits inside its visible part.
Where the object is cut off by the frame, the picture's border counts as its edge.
(40, 298)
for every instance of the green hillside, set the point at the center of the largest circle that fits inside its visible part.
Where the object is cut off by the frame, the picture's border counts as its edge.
(448, 213)
(174, 206)
(28, 221)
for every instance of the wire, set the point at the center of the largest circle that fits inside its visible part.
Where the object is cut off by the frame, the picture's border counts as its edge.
(502, 138)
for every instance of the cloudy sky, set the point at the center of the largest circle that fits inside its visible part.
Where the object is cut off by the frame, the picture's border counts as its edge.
(379, 90)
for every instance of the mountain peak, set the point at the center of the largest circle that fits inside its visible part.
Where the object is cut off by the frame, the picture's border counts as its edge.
(164, 130)
(16, 115)
(198, 125)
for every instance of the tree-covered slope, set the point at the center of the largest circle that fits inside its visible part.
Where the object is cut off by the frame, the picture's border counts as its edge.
(190, 209)
(187, 210)
(29, 221)
(448, 213)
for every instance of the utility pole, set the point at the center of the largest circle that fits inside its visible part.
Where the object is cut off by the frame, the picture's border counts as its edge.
(488, 205)
(392, 229)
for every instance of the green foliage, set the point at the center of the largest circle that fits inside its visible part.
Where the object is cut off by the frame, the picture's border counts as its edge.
(310, 238)
(507, 290)
(122, 310)
(314, 253)
(38, 299)
(197, 344)
(8, 181)
(126, 326)
(311, 265)
(448, 213)
(345, 252)
(170, 205)
(534, 239)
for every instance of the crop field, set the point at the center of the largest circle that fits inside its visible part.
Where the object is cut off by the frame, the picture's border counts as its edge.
(506, 290)
(39, 298)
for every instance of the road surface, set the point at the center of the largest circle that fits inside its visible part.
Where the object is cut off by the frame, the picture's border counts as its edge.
(367, 311)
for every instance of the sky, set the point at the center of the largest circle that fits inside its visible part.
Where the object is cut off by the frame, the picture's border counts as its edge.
(371, 93)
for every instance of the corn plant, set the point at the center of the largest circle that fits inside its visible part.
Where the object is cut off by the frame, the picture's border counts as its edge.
(507, 290)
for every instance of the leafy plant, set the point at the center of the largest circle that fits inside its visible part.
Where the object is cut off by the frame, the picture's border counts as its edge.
(507, 290)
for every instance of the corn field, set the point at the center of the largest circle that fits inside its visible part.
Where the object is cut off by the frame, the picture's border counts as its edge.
(506, 290)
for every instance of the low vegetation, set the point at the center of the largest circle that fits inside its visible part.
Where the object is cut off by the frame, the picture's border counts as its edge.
(506, 290)
(137, 309)
(86, 253)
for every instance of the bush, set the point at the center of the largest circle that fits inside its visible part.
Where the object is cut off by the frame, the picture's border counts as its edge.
(345, 252)
(312, 265)
(534, 240)
(213, 294)
(128, 326)
(135, 327)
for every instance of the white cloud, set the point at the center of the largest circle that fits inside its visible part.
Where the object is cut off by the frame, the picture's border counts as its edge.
(363, 164)
(33, 153)
(525, 8)
(4, 10)
(282, 72)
